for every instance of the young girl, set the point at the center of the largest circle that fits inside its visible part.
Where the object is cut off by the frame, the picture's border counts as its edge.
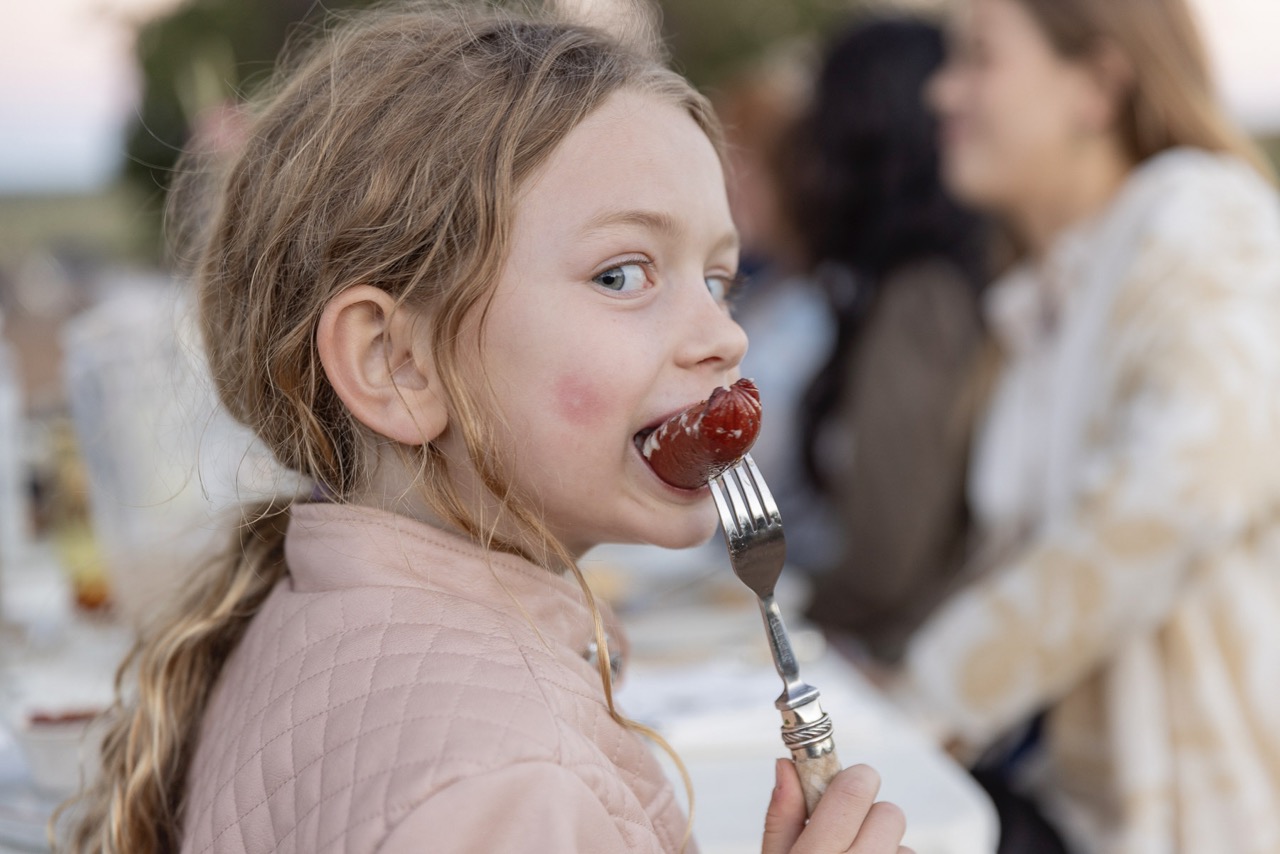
(462, 261)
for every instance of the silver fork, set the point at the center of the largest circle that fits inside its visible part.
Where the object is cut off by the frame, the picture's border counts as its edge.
(753, 532)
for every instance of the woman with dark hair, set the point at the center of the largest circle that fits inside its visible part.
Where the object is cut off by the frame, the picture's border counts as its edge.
(900, 264)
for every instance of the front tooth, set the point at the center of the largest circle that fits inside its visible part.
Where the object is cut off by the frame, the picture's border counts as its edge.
(651, 444)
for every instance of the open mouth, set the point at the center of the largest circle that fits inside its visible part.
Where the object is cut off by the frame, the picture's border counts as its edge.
(644, 439)
(693, 445)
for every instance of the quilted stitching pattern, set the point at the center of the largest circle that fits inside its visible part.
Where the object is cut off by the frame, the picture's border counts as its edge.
(345, 707)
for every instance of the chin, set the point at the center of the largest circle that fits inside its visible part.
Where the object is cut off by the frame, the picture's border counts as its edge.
(672, 540)
(694, 528)
(684, 530)
(965, 174)
(971, 184)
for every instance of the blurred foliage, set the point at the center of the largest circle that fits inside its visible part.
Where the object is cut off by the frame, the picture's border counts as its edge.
(712, 40)
(1272, 147)
(204, 52)
(113, 225)
(197, 57)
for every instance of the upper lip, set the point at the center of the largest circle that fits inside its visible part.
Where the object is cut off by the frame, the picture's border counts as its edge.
(662, 419)
(657, 422)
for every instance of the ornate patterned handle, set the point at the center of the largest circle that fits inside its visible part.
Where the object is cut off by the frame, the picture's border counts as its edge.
(808, 734)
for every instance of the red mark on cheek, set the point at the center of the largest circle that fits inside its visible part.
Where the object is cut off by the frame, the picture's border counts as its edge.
(578, 401)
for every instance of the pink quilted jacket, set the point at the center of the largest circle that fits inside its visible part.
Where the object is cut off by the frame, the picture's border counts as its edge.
(405, 691)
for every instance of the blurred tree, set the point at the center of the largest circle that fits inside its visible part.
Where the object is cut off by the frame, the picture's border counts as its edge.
(1272, 146)
(206, 53)
(197, 58)
(711, 40)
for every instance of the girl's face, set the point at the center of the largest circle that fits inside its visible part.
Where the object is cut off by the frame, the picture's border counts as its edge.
(609, 316)
(1011, 108)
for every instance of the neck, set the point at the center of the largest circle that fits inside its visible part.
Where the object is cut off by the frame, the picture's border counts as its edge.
(398, 489)
(395, 488)
(1073, 192)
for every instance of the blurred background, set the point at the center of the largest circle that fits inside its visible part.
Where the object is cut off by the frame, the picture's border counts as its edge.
(97, 97)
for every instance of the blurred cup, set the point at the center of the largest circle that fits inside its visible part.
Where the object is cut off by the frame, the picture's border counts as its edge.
(61, 753)
(166, 463)
(13, 507)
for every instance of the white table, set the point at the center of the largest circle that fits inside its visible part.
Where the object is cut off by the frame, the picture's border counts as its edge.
(45, 651)
(700, 673)
(17, 801)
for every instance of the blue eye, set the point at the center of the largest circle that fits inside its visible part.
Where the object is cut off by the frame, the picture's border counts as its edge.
(623, 278)
(721, 287)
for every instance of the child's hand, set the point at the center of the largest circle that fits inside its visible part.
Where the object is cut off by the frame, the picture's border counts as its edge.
(846, 821)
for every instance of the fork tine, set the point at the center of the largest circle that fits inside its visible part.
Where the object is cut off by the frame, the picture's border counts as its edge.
(766, 497)
(737, 501)
(749, 492)
(727, 516)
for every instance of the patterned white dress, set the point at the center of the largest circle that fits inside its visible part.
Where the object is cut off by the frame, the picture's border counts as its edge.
(1128, 473)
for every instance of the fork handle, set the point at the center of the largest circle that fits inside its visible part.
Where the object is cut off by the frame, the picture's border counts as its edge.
(808, 734)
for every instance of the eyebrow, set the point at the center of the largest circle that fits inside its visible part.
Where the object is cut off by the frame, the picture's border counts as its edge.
(663, 223)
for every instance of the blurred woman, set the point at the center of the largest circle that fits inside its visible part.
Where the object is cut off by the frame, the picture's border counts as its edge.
(1127, 474)
(900, 265)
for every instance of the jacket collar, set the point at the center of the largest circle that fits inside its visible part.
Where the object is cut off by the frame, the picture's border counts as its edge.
(332, 547)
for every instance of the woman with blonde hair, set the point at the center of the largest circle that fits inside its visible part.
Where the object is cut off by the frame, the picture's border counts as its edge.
(1126, 475)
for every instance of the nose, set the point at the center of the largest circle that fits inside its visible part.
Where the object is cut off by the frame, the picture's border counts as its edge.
(708, 336)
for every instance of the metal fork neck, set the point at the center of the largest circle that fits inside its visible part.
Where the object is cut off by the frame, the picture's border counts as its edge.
(795, 692)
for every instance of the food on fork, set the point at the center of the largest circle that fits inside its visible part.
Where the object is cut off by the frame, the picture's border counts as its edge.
(693, 446)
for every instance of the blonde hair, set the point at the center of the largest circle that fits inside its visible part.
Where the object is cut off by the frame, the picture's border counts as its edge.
(1171, 101)
(392, 155)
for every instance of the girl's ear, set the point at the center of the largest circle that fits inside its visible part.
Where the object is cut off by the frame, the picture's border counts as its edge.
(384, 375)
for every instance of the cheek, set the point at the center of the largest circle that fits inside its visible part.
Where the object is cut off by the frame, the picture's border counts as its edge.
(1001, 138)
(999, 115)
(580, 401)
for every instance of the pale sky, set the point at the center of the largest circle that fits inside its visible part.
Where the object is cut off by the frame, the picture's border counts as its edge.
(67, 83)
(67, 88)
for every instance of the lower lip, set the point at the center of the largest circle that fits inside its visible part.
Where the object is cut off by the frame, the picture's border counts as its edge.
(701, 492)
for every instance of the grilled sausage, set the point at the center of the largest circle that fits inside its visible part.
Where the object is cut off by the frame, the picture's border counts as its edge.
(693, 446)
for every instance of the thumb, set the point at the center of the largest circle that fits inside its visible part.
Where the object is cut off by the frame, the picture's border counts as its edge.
(786, 816)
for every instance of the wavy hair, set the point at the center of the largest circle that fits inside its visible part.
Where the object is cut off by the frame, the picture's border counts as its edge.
(390, 153)
(1172, 100)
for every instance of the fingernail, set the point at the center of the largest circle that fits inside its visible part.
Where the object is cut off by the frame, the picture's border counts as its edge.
(777, 774)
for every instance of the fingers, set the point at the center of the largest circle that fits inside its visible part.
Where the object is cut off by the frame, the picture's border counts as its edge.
(838, 817)
(847, 820)
(784, 821)
(881, 831)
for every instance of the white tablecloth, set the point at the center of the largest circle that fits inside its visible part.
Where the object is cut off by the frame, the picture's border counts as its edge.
(729, 746)
(46, 652)
(700, 673)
